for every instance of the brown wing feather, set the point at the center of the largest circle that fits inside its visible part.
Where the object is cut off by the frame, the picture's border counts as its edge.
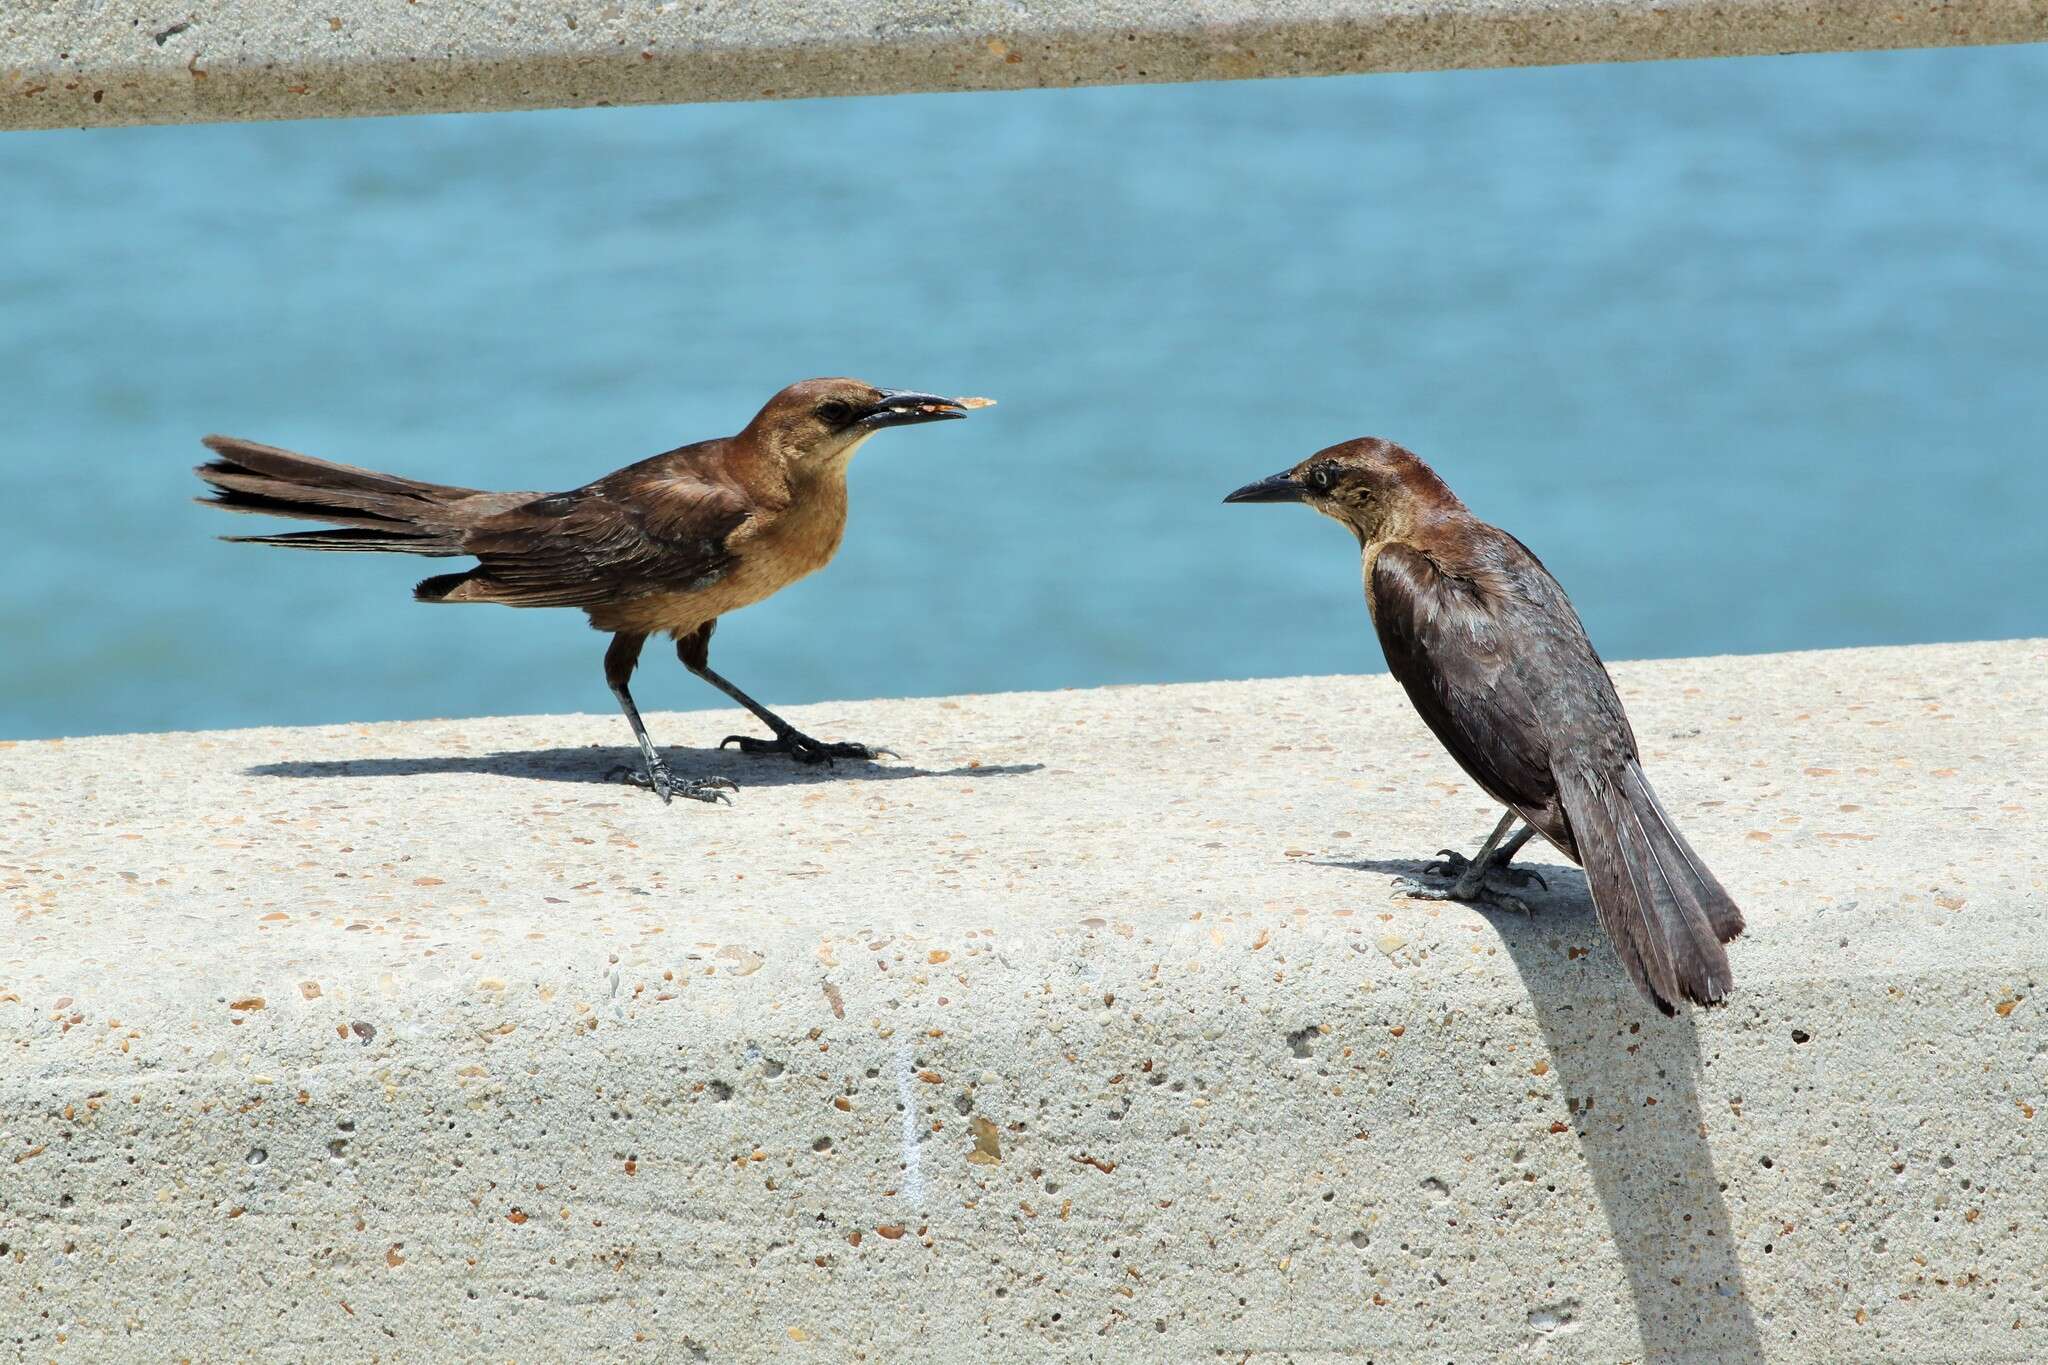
(661, 525)
(1498, 664)
(1451, 653)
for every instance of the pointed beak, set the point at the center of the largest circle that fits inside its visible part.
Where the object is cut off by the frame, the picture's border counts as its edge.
(905, 407)
(1279, 488)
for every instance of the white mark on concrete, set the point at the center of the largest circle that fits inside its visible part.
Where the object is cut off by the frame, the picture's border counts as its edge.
(913, 1173)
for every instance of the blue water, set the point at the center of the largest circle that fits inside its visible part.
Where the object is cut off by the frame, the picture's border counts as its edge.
(1753, 353)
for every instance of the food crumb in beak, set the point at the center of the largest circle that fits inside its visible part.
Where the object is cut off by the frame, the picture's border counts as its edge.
(975, 402)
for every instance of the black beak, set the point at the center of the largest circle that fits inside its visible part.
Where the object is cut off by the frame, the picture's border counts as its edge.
(1279, 488)
(904, 407)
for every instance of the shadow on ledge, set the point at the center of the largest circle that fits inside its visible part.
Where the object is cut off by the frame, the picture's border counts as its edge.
(598, 765)
(1630, 1081)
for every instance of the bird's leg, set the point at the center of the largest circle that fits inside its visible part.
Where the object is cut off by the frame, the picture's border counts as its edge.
(694, 650)
(618, 668)
(1493, 858)
(1482, 879)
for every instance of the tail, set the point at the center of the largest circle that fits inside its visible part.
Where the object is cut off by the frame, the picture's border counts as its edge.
(365, 510)
(1660, 905)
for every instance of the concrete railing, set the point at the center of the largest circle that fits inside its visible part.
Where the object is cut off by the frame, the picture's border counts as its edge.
(1091, 1026)
(202, 60)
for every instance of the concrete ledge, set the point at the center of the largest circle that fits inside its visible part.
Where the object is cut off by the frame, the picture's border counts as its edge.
(1091, 1028)
(66, 64)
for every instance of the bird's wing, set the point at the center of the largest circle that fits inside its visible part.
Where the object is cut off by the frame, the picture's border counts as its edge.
(1449, 642)
(609, 540)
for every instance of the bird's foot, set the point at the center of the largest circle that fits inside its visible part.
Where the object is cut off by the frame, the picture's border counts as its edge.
(1454, 865)
(665, 784)
(1484, 894)
(806, 750)
(1457, 878)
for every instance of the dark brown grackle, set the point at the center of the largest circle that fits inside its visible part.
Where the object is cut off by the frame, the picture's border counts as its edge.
(669, 544)
(1493, 656)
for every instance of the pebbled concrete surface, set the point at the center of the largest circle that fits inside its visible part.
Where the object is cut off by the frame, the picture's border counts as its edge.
(202, 60)
(1092, 1028)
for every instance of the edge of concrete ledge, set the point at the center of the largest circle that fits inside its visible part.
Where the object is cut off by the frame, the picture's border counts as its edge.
(1090, 1029)
(218, 60)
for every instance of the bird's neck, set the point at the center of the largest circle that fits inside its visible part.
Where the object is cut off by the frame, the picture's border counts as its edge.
(1443, 533)
(813, 519)
(819, 480)
(1419, 509)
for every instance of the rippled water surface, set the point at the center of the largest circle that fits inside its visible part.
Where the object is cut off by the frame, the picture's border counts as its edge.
(1753, 353)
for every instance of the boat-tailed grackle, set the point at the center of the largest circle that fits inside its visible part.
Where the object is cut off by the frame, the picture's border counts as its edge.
(1493, 656)
(669, 544)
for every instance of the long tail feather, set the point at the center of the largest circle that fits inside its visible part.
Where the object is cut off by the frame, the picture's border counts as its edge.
(380, 512)
(288, 466)
(368, 539)
(1664, 912)
(1721, 912)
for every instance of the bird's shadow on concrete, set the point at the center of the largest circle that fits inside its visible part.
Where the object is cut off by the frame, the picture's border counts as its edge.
(1630, 1078)
(601, 765)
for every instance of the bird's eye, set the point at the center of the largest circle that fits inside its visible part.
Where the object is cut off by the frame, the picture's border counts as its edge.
(835, 412)
(1319, 478)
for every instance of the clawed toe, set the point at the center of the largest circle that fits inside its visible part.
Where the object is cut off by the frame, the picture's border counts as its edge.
(1449, 863)
(1483, 891)
(1504, 900)
(668, 786)
(847, 748)
(707, 789)
(804, 749)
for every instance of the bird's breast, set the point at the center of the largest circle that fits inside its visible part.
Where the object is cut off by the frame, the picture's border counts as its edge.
(1372, 608)
(777, 548)
(770, 551)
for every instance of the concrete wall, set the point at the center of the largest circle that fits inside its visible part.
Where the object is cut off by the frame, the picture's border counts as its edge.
(200, 60)
(1091, 1027)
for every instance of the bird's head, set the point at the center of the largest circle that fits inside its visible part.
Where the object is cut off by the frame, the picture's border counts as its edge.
(817, 424)
(1371, 485)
